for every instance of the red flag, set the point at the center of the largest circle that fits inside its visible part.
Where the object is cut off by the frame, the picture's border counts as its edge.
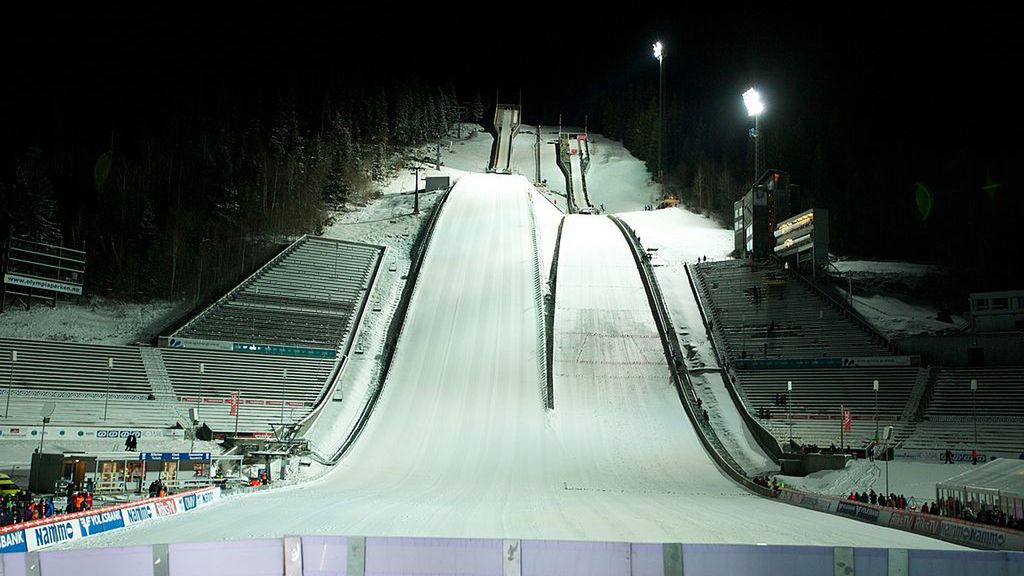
(234, 403)
(846, 420)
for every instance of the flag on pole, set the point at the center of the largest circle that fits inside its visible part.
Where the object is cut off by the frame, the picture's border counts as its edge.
(234, 403)
(846, 420)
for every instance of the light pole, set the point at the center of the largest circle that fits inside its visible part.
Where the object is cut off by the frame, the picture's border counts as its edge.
(416, 190)
(659, 53)
(752, 100)
(875, 387)
(106, 396)
(974, 402)
(284, 387)
(10, 381)
(47, 411)
(789, 405)
(199, 398)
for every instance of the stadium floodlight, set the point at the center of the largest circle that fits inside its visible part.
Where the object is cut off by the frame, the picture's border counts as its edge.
(659, 55)
(752, 100)
(755, 106)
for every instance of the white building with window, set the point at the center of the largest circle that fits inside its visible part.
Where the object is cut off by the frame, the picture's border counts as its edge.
(998, 311)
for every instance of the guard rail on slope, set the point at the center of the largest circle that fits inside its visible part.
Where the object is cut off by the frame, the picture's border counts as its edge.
(549, 318)
(684, 388)
(339, 367)
(546, 332)
(764, 438)
(419, 251)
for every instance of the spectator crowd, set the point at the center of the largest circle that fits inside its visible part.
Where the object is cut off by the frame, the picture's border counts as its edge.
(21, 507)
(950, 508)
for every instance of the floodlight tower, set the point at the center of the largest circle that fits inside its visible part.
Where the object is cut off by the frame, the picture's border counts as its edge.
(659, 54)
(752, 100)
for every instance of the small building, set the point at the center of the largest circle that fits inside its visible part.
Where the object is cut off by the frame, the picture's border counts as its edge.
(770, 200)
(437, 183)
(997, 311)
(120, 471)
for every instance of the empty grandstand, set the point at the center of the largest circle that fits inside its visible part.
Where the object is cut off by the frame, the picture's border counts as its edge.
(90, 385)
(208, 380)
(306, 301)
(987, 419)
(775, 330)
(293, 322)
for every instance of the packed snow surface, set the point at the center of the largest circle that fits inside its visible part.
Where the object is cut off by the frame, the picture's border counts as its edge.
(461, 445)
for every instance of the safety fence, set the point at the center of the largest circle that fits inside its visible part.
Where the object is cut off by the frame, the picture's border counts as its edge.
(359, 556)
(950, 529)
(28, 537)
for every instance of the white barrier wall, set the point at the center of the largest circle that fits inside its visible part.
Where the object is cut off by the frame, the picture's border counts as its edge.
(357, 556)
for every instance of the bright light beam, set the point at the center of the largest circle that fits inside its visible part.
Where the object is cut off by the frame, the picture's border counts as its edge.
(752, 100)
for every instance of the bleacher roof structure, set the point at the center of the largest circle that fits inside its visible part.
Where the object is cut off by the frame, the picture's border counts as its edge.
(1003, 475)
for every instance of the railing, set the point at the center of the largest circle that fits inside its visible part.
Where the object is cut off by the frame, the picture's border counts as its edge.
(764, 437)
(549, 308)
(394, 332)
(684, 388)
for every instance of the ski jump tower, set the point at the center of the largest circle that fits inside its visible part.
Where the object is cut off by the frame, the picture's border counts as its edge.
(506, 125)
(573, 159)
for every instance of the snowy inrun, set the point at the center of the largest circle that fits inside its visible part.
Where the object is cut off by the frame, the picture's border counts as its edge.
(460, 443)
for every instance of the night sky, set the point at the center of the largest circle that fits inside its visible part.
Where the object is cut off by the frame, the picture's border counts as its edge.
(925, 95)
(943, 75)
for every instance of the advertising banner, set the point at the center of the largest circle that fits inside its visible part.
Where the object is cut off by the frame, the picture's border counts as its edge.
(42, 533)
(42, 284)
(901, 520)
(199, 344)
(857, 511)
(13, 542)
(276, 350)
(929, 525)
(847, 419)
(138, 514)
(864, 361)
(980, 536)
(50, 534)
(773, 364)
(171, 456)
(100, 523)
(165, 507)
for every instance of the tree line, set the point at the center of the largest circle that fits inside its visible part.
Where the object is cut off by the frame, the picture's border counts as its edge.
(951, 199)
(181, 204)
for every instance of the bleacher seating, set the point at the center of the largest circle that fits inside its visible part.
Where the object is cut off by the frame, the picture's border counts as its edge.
(802, 324)
(308, 296)
(948, 420)
(760, 312)
(259, 380)
(819, 394)
(76, 377)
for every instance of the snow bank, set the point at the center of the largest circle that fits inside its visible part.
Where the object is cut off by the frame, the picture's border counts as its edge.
(98, 321)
